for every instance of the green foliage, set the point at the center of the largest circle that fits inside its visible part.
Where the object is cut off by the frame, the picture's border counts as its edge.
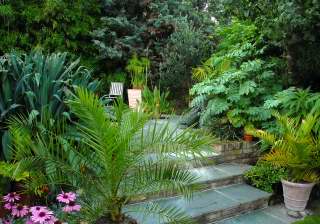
(139, 69)
(36, 84)
(40, 149)
(173, 34)
(295, 102)
(107, 159)
(51, 25)
(313, 219)
(7, 170)
(295, 148)
(290, 25)
(186, 48)
(118, 76)
(155, 102)
(264, 176)
(120, 150)
(240, 79)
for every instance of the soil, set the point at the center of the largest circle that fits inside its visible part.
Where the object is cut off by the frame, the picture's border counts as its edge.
(107, 220)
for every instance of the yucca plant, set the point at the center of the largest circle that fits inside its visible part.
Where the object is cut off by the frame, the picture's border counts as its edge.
(111, 161)
(34, 83)
(296, 148)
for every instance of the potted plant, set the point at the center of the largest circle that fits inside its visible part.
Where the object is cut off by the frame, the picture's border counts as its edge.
(295, 148)
(138, 69)
(247, 137)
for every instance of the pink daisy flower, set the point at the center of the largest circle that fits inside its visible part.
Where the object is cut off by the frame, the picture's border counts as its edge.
(9, 205)
(11, 197)
(71, 207)
(66, 197)
(29, 221)
(52, 220)
(42, 217)
(20, 210)
(37, 209)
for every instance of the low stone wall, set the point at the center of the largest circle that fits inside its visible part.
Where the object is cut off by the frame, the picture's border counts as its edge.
(238, 151)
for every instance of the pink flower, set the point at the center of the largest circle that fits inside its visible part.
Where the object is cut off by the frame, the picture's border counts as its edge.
(9, 205)
(11, 197)
(6, 221)
(51, 220)
(66, 197)
(20, 210)
(71, 207)
(29, 221)
(42, 217)
(37, 209)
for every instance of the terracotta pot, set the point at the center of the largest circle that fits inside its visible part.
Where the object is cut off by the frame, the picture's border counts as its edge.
(296, 195)
(247, 138)
(135, 98)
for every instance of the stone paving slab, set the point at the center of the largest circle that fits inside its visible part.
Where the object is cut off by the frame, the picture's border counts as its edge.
(242, 193)
(218, 172)
(208, 177)
(208, 205)
(276, 214)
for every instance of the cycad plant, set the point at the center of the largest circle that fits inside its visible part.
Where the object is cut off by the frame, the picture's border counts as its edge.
(112, 162)
(296, 148)
(133, 156)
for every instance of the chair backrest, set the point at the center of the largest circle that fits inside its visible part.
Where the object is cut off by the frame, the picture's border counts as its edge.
(116, 89)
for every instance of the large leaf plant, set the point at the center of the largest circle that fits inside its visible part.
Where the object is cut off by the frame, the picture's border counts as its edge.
(237, 79)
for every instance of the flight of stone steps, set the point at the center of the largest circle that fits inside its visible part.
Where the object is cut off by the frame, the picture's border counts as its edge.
(222, 192)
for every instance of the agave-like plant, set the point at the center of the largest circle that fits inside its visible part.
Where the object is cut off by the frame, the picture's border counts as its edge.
(34, 84)
(296, 147)
(113, 162)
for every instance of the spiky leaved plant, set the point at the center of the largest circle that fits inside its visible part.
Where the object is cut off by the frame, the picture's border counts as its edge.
(155, 102)
(113, 161)
(133, 156)
(139, 69)
(34, 84)
(296, 148)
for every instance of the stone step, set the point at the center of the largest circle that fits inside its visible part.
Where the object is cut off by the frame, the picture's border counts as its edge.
(208, 177)
(210, 157)
(220, 175)
(206, 206)
(276, 214)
